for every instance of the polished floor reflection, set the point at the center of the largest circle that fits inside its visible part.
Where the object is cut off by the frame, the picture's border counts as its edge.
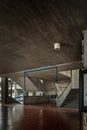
(19, 117)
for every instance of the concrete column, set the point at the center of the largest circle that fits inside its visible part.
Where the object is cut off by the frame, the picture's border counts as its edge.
(4, 90)
(84, 46)
(75, 79)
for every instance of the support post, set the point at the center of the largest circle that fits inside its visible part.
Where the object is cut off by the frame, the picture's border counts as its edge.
(4, 90)
(56, 73)
(25, 84)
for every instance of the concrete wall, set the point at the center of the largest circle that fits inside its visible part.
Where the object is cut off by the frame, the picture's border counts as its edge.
(66, 73)
(35, 100)
(75, 79)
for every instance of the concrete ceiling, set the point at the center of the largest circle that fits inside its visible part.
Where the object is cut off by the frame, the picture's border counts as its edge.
(29, 29)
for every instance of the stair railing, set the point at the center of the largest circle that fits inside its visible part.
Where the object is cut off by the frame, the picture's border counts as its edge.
(61, 98)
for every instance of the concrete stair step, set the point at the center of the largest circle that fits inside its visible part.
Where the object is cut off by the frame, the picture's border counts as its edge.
(72, 100)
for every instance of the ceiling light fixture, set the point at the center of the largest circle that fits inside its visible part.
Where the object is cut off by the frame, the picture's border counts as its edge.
(57, 46)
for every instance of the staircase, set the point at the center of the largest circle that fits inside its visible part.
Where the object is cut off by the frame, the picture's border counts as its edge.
(72, 100)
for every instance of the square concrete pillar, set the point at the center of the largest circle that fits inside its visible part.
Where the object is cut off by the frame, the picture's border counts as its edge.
(84, 45)
(4, 90)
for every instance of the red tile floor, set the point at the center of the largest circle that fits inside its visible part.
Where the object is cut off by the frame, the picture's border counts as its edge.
(19, 117)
